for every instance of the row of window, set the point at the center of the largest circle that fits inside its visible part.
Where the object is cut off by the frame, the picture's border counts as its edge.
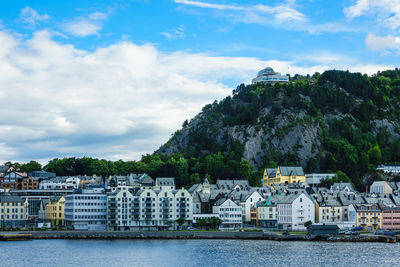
(12, 210)
(13, 217)
(90, 217)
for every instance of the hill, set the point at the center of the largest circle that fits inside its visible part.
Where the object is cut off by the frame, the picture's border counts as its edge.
(334, 121)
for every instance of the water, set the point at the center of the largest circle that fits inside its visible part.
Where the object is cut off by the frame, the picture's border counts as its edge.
(195, 253)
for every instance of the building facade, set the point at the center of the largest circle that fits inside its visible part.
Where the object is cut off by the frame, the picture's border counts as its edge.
(369, 216)
(86, 210)
(391, 218)
(294, 210)
(229, 212)
(283, 175)
(13, 211)
(149, 209)
(55, 211)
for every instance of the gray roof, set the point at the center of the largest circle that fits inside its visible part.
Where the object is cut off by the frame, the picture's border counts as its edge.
(4, 168)
(10, 198)
(286, 171)
(327, 200)
(348, 199)
(341, 186)
(165, 181)
(231, 184)
(193, 188)
(288, 199)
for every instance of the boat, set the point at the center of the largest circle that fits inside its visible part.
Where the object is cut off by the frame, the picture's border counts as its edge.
(15, 237)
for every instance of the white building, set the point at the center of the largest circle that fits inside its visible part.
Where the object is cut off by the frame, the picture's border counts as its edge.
(389, 168)
(148, 209)
(248, 201)
(315, 178)
(229, 212)
(268, 75)
(294, 210)
(70, 183)
(381, 187)
(86, 210)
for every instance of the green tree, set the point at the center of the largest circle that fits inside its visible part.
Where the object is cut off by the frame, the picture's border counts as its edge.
(30, 166)
(375, 155)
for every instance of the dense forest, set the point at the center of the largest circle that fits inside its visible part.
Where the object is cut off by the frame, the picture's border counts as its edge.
(329, 122)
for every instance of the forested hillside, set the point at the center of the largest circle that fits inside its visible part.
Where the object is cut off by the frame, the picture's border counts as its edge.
(329, 122)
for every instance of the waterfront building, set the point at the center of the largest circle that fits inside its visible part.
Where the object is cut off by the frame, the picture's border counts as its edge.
(389, 168)
(328, 208)
(369, 216)
(391, 218)
(229, 212)
(282, 175)
(267, 211)
(157, 208)
(294, 210)
(13, 211)
(86, 209)
(381, 187)
(246, 199)
(55, 211)
(268, 75)
(313, 179)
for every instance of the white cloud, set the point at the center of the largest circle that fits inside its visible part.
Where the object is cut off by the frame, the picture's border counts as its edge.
(387, 12)
(175, 33)
(259, 13)
(87, 25)
(118, 101)
(30, 16)
(208, 5)
(285, 15)
(378, 43)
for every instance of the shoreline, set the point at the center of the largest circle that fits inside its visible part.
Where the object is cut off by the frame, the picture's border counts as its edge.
(186, 235)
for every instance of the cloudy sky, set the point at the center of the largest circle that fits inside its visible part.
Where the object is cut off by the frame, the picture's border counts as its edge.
(114, 79)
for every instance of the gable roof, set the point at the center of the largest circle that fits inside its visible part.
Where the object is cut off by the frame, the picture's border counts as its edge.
(285, 171)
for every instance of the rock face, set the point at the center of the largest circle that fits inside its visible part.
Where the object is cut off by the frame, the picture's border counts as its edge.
(288, 136)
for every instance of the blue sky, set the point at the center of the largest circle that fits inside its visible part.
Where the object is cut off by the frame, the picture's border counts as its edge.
(114, 79)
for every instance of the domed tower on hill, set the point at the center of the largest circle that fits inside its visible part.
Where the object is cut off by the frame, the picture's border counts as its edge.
(268, 75)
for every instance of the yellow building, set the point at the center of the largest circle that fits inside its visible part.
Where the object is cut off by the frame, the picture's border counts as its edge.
(369, 216)
(55, 211)
(283, 175)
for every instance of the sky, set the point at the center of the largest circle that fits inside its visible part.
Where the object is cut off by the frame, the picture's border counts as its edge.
(115, 79)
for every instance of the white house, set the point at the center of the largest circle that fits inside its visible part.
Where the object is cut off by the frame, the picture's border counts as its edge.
(229, 212)
(246, 199)
(294, 210)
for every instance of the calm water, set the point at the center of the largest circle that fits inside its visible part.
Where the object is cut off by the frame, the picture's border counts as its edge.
(196, 253)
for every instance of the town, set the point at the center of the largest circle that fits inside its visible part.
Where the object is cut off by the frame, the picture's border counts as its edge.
(289, 200)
